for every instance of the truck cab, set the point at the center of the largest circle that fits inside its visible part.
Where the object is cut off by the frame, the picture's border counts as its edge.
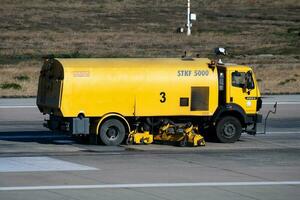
(239, 102)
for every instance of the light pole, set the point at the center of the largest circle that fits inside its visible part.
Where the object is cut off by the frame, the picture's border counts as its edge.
(188, 18)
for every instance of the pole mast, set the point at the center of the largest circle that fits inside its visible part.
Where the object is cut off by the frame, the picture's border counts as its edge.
(188, 18)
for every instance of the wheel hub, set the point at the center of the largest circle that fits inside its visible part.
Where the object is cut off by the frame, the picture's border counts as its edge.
(229, 130)
(112, 133)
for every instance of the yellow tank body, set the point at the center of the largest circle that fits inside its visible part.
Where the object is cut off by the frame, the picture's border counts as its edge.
(129, 87)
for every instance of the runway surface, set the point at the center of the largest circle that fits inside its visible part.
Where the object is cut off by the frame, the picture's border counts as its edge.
(37, 164)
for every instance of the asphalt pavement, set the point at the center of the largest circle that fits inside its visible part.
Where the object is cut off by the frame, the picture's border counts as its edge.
(38, 164)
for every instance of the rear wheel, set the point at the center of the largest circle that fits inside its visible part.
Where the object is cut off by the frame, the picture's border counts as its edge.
(112, 132)
(228, 129)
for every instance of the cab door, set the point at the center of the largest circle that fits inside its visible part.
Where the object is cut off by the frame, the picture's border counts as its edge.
(242, 89)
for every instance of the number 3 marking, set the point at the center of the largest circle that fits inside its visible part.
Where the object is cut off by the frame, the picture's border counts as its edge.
(163, 97)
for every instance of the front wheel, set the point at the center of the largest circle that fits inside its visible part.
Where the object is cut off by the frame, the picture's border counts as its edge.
(228, 129)
(112, 132)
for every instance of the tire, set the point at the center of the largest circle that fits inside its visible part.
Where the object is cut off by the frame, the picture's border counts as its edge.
(112, 132)
(228, 129)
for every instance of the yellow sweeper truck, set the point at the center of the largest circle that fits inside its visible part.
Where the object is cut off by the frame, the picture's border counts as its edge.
(108, 98)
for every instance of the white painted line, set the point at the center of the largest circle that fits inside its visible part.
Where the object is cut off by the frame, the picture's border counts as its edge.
(38, 164)
(282, 103)
(18, 106)
(149, 185)
(274, 132)
(286, 132)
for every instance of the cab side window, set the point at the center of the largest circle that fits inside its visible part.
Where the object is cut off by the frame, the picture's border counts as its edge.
(238, 79)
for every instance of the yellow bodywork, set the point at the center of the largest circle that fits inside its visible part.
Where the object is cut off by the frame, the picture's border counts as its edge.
(85, 93)
(129, 87)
